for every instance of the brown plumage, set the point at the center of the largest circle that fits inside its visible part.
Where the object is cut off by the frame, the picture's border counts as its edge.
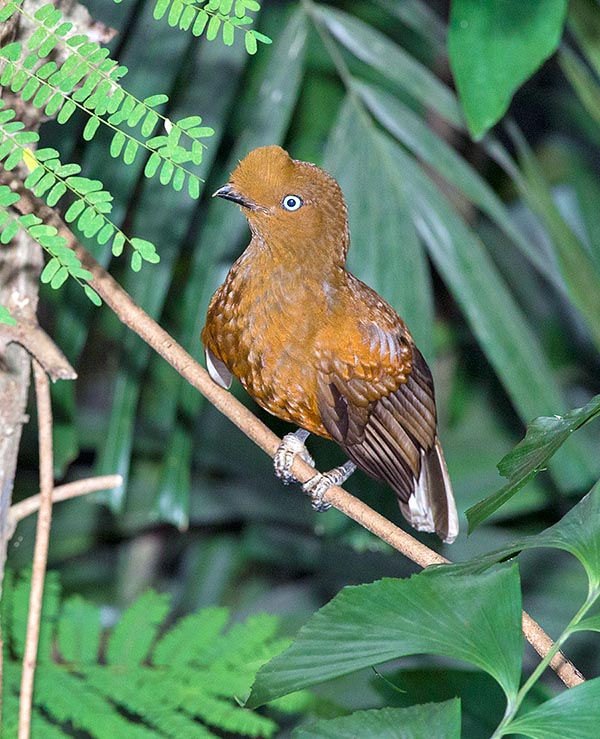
(316, 346)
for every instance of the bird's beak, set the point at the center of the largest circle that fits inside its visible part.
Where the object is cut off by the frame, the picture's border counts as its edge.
(228, 193)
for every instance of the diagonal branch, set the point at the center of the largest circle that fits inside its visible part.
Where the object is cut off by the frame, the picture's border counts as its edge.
(164, 344)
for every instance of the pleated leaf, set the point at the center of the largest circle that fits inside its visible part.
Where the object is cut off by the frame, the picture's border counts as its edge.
(578, 532)
(476, 619)
(439, 720)
(572, 713)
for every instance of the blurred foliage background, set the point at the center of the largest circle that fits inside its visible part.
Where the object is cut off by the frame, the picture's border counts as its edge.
(467, 240)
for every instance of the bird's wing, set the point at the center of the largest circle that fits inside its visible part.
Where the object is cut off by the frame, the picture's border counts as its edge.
(379, 406)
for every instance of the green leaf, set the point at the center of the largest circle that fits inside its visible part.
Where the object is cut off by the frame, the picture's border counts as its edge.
(153, 101)
(379, 52)
(583, 82)
(79, 631)
(581, 274)
(5, 317)
(59, 278)
(200, 23)
(213, 28)
(160, 8)
(137, 629)
(384, 249)
(90, 128)
(250, 43)
(116, 144)
(92, 295)
(476, 619)
(544, 436)
(439, 720)
(584, 22)
(412, 131)
(494, 47)
(136, 261)
(578, 532)
(572, 713)
(51, 268)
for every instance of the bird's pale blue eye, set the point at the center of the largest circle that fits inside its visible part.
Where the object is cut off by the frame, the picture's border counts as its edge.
(292, 202)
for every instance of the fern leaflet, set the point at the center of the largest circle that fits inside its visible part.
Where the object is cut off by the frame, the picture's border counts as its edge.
(211, 17)
(88, 80)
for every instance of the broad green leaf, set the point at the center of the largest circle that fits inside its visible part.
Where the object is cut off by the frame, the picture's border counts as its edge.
(476, 619)
(578, 532)
(384, 249)
(572, 713)
(378, 51)
(544, 436)
(496, 320)
(439, 720)
(494, 47)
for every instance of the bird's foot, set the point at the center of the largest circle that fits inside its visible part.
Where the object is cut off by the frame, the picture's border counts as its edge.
(291, 445)
(318, 485)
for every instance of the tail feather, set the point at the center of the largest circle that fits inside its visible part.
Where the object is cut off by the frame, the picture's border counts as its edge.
(431, 507)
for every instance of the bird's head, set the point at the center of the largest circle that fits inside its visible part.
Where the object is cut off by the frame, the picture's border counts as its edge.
(289, 204)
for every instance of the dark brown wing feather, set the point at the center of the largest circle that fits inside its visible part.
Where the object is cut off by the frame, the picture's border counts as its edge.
(393, 437)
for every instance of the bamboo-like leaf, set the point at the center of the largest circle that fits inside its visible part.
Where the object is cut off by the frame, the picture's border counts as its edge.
(502, 330)
(384, 251)
(379, 52)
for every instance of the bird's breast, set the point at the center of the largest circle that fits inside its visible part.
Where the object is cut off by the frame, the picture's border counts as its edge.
(265, 328)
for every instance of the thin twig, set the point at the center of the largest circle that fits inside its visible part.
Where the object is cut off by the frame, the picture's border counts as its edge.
(156, 337)
(22, 509)
(40, 553)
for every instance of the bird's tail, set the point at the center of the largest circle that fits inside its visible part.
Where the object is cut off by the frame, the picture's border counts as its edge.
(431, 507)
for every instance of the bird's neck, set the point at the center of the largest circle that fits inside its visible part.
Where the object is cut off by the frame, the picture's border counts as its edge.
(289, 276)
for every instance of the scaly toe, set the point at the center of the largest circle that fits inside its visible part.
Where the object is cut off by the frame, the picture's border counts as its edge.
(316, 488)
(283, 460)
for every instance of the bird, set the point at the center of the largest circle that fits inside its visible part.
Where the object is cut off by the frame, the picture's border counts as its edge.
(317, 347)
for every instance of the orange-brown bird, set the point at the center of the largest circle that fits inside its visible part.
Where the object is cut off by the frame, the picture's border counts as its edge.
(317, 347)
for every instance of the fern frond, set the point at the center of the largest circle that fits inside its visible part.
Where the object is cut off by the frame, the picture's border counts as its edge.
(136, 692)
(68, 699)
(79, 631)
(190, 638)
(17, 608)
(88, 80)
(133, 636)
(212, 17)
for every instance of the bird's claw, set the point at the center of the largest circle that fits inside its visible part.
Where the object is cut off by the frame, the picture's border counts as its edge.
(318, 485)
(316, 488)
(291, 445)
